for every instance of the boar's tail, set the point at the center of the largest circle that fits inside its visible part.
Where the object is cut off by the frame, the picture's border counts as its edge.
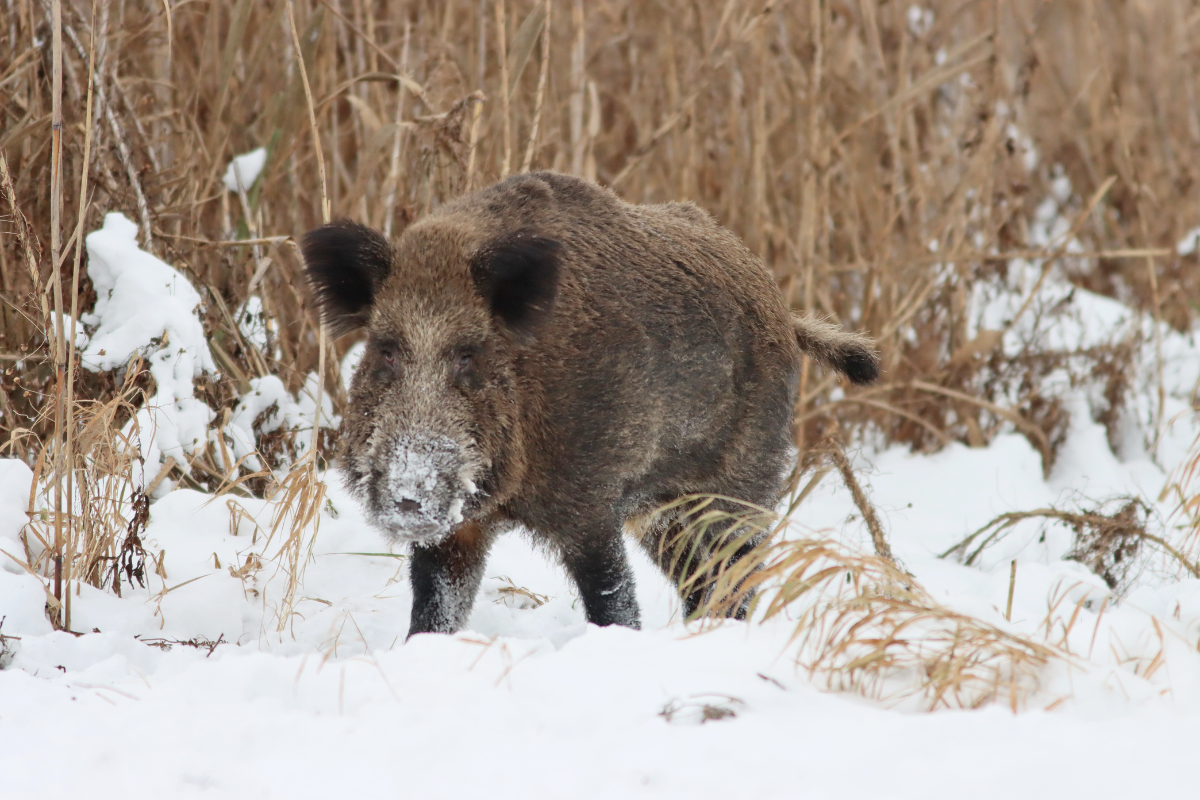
(852, 354)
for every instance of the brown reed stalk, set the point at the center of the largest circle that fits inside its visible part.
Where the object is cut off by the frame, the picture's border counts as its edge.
(57, 334)
(476, 114)
(505, 93)
(539, 102)
(882, 548)
(302, 491)
(398, 140)
(81, 214)
(578, 141)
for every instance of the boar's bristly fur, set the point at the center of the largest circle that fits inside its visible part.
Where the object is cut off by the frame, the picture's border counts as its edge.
(542, 354)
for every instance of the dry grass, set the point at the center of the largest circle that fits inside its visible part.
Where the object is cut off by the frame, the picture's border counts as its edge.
(1107, 543)
(839, 139)
(1184, 490)
(875, 159)
(861, 623)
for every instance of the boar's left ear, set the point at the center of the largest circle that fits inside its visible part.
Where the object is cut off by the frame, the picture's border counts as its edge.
(345, 263)
(517, 274)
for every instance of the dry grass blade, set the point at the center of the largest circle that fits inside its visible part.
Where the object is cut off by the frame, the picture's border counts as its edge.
(56, 334)
(882, 548)
(522, 43)
(107, 509)
(539, 101)
(1036, 434)
(26, 239)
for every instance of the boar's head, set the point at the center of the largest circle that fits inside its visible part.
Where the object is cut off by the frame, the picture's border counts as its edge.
(430, 435)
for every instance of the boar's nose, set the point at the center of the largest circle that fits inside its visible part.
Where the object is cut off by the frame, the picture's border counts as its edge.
(408, 506)
(418, 492)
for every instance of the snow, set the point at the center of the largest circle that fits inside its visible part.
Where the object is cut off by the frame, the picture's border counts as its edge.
(321, 696)
(1189, 243)
(146, 308)
(266, 408)
(247, 166)
(533, 702)
(920, 20)
(350, 362)
(252, 323)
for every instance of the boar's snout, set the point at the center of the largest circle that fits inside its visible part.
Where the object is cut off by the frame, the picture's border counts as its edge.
(418, 487)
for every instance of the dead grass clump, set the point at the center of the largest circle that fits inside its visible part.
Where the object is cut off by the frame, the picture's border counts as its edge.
(107, 508)
(1109, 544)
(870, 628)
(861, 623)
(699, 709)
(198, 642)
(130, 560)
(513, 596)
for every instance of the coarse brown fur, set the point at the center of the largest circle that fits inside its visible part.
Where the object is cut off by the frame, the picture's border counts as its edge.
(542, 354)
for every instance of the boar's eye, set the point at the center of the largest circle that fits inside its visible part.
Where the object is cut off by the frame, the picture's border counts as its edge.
(388, 356)
(465, 366)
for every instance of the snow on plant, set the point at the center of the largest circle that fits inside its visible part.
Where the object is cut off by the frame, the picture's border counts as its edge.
(255, 325)
(148, 315)
(1189, 243)
(245, 167)
(268, 408)
(145, 312)
(1069, 351)
(144, 308)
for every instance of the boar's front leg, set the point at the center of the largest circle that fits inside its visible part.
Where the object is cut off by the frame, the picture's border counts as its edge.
(445, 579)
(596, 562)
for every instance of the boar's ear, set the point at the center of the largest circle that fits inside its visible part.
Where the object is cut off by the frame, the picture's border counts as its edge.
(517, 274)
(345, 263)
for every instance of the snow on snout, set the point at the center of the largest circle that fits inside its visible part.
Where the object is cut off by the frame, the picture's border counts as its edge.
(421, 491)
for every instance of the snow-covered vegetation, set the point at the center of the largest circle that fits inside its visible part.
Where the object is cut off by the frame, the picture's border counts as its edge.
(998, 596)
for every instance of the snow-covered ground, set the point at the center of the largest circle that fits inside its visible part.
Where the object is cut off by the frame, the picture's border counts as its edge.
(532, 702)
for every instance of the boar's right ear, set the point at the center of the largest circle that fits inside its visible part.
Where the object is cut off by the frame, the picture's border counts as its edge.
(345, 263)
(517, 274)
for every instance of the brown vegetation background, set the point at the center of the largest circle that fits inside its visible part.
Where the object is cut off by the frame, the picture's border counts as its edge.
(839, 138)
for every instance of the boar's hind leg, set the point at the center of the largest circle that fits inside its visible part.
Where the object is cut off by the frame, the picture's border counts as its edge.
(596, 562)
(694, 556)
(445, 579)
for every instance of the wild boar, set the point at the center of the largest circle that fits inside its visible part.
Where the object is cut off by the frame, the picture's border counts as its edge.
(541, 353)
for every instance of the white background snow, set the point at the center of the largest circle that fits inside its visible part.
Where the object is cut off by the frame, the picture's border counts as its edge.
(530, 701)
